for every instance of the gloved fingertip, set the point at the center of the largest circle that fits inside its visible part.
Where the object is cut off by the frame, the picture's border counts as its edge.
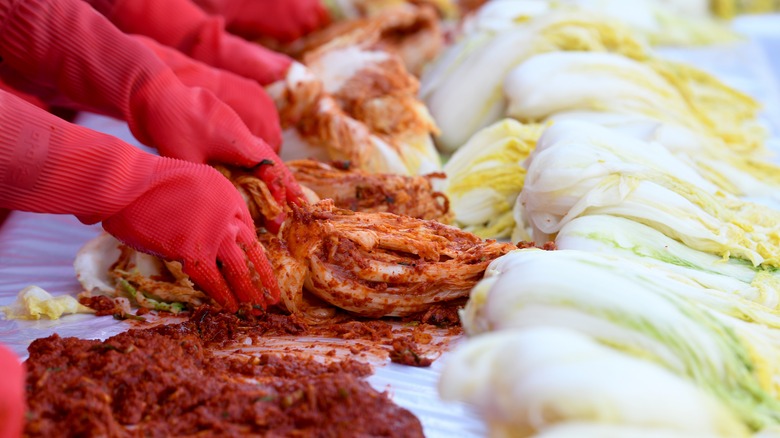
(264, 270)
(275, 224)
(242, 273)
(210, 280)
(268, 172)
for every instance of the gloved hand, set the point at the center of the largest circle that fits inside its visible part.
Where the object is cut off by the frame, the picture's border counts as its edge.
(106, 70)
(247, 98)
(284, 21)
(174, 209)
(184, 26)
(12, 406)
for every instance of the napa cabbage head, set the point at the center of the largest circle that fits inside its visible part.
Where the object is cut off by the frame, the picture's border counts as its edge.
(667, 92)
(751, 174)
(580, 169)
(626, 238)
(485, 176)
(564, 81)
(640, 310)
(537, 379)
(726, 112)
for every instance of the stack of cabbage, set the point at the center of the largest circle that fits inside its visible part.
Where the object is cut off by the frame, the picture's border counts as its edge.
(570, 64)
(654, 262)
(659, 314)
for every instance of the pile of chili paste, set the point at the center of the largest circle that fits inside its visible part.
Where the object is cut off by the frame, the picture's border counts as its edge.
(174, 380)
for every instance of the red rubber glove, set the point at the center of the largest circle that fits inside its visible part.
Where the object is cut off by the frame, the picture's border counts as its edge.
(184, 26)
(284, 21)
(246, 97)
(174, 209)
(12, 405)
(35, 100)
(100, 67)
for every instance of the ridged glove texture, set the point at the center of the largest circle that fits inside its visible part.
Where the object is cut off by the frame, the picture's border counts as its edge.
(284, 21)
(64, 45)
(247, 98)
(12, 406)
(184, 26)
(167, 207)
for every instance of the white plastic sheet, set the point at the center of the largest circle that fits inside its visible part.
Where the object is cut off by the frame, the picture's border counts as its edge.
(39, 249)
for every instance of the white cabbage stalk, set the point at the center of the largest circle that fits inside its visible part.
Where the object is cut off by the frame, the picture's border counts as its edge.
(673, 136)
(625, 238)
(538, 379)
(460, 110)
(579, 169)
(744, 175)
(483, 58)
(563, 81)
(751, 175)
(641, 310)
(551, 83)
(485, 176)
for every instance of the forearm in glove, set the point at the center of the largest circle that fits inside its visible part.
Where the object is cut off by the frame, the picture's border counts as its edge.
(184, 26)
(171, 208)
(103, 68)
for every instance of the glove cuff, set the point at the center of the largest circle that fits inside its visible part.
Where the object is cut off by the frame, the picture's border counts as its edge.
(48, 165)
